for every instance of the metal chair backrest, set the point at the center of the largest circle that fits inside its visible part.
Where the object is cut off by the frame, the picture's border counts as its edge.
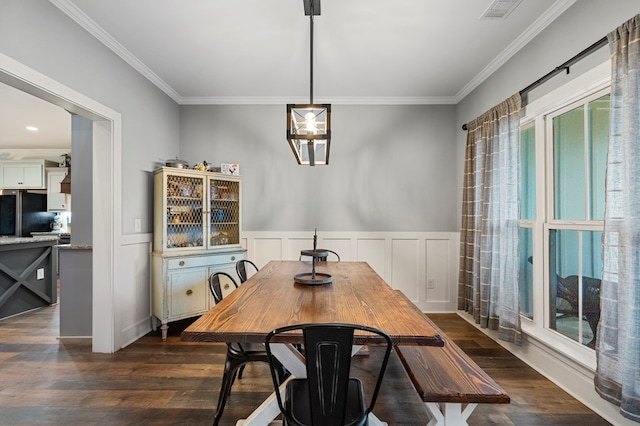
(214, 285)
(241, 269)
(328, 351)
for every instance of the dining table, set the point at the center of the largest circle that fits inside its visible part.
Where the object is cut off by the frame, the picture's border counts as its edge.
(272, 298)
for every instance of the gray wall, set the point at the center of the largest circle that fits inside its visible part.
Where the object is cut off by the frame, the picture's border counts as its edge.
(392, 168)
(37, 34)
(81, 180)
(584, 23)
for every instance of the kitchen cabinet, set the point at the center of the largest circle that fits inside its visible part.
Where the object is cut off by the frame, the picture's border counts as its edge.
(28, 278)
(24, 174)
(196, 233)
(180, 283)
(56, 200)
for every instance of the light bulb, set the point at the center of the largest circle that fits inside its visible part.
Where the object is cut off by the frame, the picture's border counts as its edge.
(310, 123)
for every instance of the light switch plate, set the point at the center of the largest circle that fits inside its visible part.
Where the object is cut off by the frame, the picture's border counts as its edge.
(137, 225)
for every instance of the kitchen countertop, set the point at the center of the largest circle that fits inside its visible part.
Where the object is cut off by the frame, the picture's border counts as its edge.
(74, 247)
(25, 240)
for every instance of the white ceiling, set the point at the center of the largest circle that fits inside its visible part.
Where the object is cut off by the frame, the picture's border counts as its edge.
(19, 110)
(257, 51)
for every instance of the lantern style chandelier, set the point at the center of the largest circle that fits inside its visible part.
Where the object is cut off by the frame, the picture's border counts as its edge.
(309, 125)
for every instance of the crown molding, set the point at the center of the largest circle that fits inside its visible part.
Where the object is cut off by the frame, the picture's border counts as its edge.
(550, 15)
(239, 100)
(77, 15)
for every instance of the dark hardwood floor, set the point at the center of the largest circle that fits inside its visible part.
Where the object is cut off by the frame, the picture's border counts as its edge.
(48, 381)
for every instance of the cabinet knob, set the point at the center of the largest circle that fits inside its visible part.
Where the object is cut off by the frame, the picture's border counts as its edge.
(226, 286)
(182, 264)
(189, 292)
(233, 258)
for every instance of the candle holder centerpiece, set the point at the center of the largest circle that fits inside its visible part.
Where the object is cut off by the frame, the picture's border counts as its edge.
(313, 277)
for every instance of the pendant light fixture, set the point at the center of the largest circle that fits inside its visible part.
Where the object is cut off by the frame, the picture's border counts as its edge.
(309, 125)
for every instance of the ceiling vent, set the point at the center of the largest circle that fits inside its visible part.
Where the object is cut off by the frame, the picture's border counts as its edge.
(500, 9)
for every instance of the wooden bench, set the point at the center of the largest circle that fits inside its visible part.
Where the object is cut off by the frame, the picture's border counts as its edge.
(449, 382)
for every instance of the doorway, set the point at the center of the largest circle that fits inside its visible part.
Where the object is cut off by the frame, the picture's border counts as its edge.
(106, 182)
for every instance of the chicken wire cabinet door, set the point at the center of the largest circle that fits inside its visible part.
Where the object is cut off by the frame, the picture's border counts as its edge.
(224, 212)
(195, 210)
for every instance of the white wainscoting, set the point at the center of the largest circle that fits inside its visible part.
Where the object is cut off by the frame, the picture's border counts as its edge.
(134, 298)
(408, 261)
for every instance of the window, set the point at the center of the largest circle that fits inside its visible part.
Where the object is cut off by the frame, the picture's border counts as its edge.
(561, 228)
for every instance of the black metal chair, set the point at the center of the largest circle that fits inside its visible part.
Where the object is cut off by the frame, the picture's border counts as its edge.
(322, 259)
(328, 396)
(241, 269)
(237, 355)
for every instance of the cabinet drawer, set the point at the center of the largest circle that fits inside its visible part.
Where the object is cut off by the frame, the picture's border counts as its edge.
(208, 260)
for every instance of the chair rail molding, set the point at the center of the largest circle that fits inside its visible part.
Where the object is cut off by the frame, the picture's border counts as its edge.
(423, 265)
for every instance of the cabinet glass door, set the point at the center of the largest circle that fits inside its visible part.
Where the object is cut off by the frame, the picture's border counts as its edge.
(185, 226)
(224, 212)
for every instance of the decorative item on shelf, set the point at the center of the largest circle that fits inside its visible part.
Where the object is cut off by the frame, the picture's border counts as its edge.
(56, 225)
(203, 167)
(309, 125)
(64, 160)
(230, 169)
(216, 239)
(197, 190)
(313, 277)
(178, 164)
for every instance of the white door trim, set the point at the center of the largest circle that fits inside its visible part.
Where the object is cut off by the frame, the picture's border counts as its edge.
(106, 188)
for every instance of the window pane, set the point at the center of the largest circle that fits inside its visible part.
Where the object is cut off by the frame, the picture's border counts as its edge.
(527, 174)
(568, 165)
(598, 143)
(563, 268)
(526, 272)
(574, 310)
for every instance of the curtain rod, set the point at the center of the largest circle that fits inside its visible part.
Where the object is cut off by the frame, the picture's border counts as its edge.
(557, 70)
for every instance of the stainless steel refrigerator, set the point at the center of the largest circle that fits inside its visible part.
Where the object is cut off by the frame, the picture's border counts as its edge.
(23, 212)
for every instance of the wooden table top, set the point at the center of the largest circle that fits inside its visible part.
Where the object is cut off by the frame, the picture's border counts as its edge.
(270, 299)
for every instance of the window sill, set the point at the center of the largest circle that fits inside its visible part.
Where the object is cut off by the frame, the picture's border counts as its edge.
(560, 345)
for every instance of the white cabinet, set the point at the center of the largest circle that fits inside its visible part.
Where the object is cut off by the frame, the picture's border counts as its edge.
(196, 233)
(56, 200)
(23, 174)
(180, 286)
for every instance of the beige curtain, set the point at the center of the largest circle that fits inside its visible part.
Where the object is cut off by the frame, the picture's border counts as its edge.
(489, 255)
(618, 343)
